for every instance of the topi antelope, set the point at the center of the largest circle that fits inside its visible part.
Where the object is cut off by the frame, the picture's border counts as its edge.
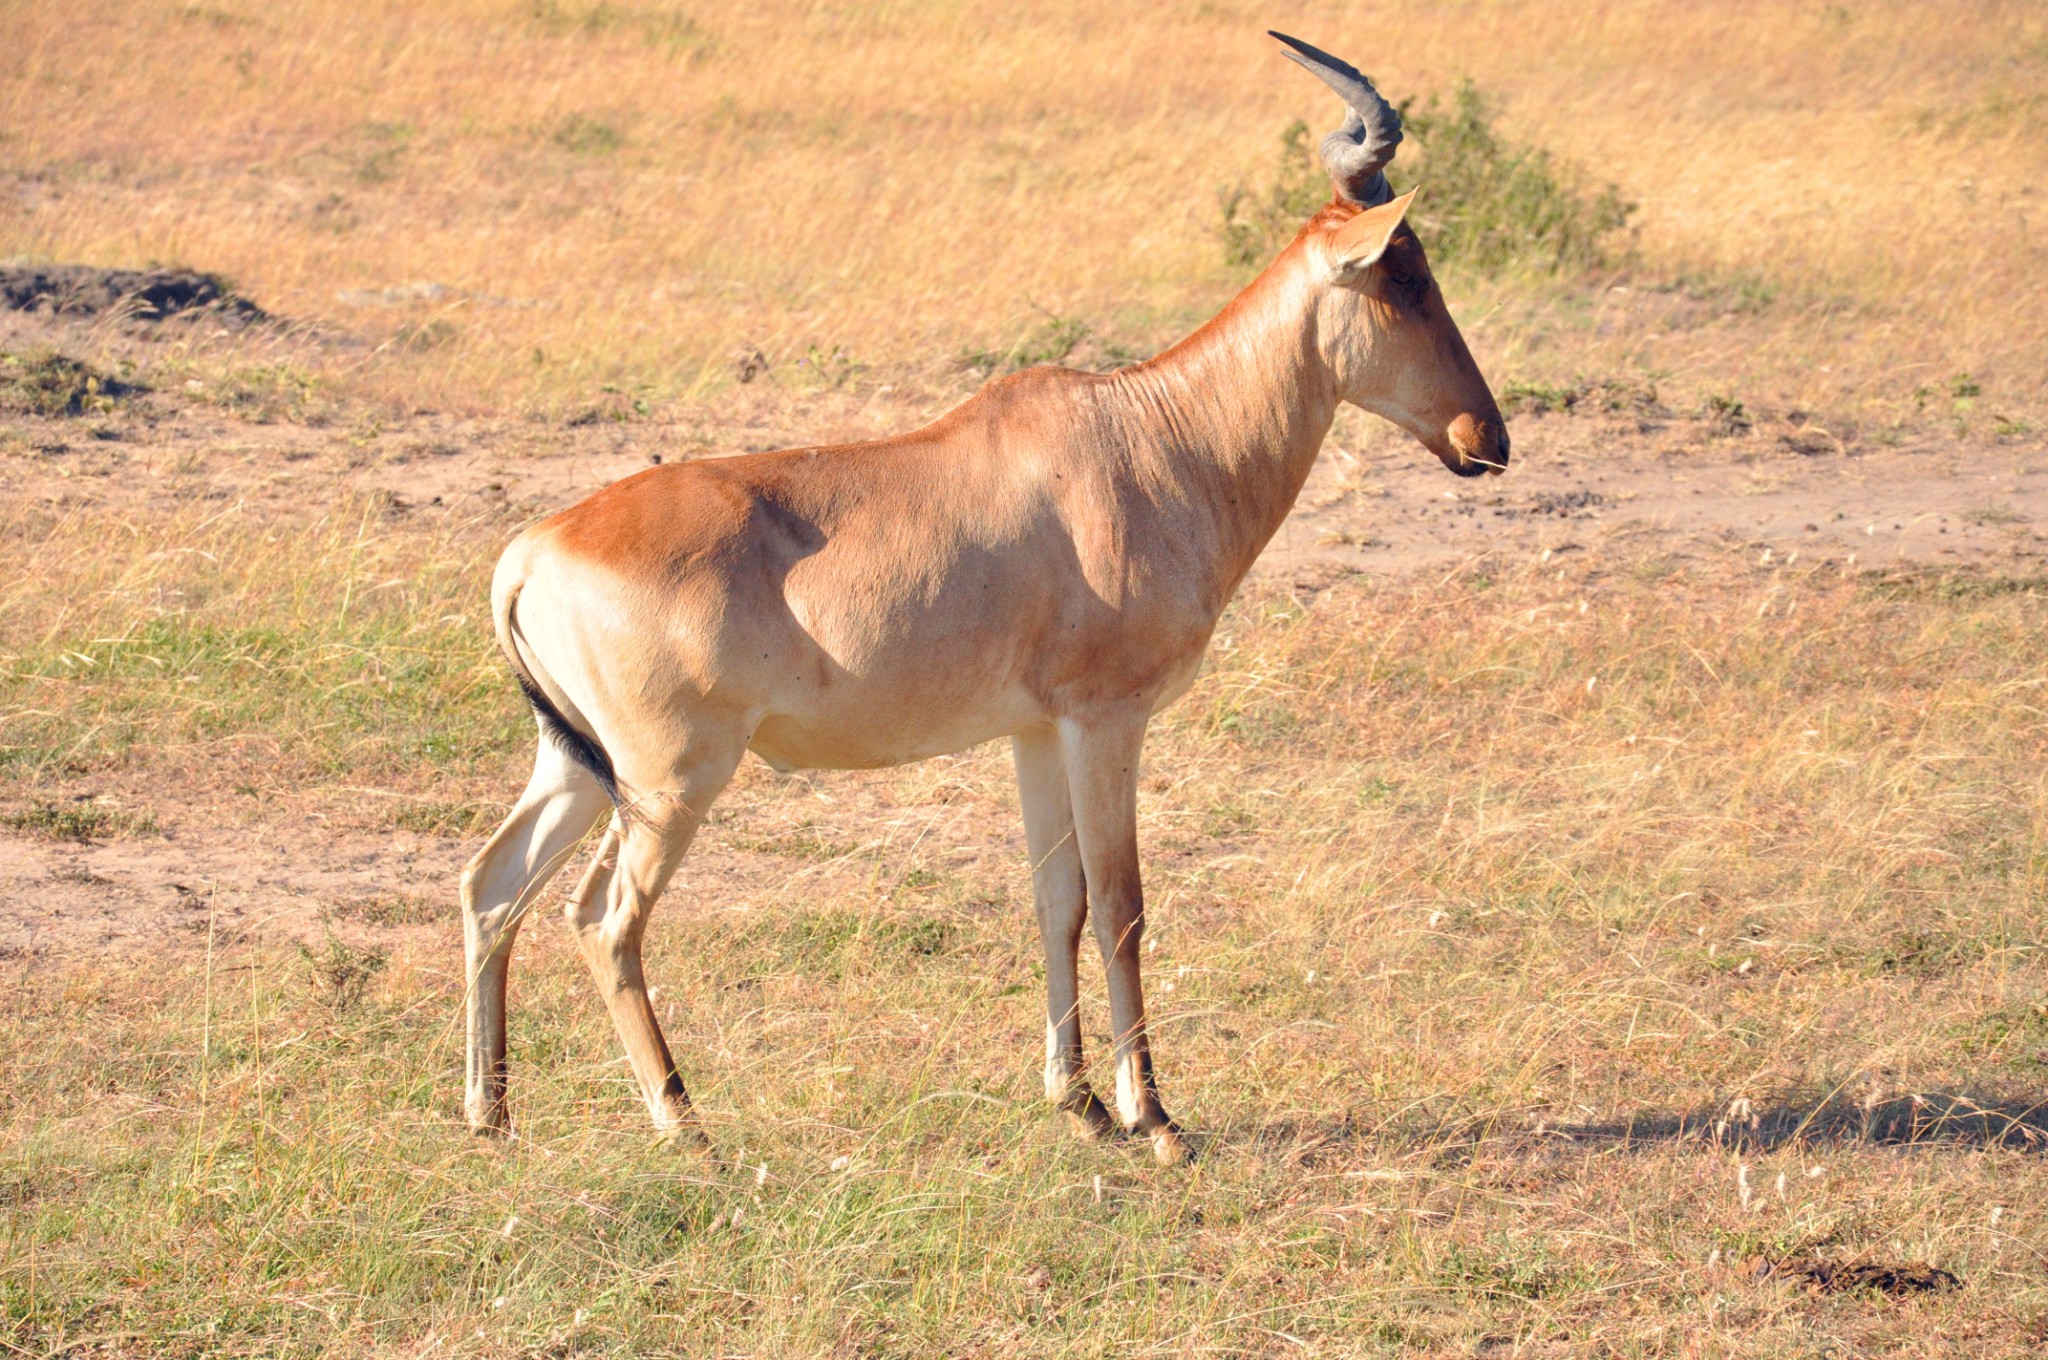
(1045, 563)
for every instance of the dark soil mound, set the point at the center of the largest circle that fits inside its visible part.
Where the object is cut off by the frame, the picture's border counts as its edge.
(130, 294)
(1832, 1277)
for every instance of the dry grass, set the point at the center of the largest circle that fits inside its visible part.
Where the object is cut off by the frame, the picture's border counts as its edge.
(627, 193)
(1539, 954)
(331, 643)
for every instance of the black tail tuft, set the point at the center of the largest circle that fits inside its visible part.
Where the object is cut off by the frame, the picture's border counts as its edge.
(581, 749)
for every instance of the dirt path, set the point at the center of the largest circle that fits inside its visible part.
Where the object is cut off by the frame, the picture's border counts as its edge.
(1375, 503)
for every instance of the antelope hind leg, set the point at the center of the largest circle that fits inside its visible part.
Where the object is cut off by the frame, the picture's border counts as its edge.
(609, 919)
(560, 805)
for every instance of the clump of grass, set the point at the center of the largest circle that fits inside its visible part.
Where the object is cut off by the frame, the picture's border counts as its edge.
(342, 972)
(1995, 514)
(432, 817)
(1726, 417)
(395, 909)
(662, 26)
(581, 135)
(830, 367)
(262, 394)
(1610, 394)
(1047, 342)
(78, 821)
(432, 333)
(804, 842)
(1949, 585)
(1520, 395)
(43, 382)
(1510, 1274)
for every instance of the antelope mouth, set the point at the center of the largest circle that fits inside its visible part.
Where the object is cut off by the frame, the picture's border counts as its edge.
(1477, 449)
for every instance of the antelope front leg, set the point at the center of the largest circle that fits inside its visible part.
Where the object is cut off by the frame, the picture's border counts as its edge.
(1060, 895)
(1102, 774)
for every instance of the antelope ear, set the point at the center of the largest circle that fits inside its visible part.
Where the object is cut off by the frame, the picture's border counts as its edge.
(1362, 240)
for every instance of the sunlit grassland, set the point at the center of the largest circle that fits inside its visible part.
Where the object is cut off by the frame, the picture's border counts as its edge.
(333, 644)
(1534, 953)
(628, 193)
(1488, 915)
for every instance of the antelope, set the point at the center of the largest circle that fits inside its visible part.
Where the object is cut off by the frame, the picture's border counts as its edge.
(1044, 563)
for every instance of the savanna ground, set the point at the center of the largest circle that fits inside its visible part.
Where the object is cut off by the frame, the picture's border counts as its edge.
(1593, 912)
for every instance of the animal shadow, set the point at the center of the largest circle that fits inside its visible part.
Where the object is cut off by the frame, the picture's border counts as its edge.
(1929, 1118)
(1953, 1119)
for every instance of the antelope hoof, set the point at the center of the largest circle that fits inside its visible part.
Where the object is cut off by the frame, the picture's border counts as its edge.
(1089, 1115)
(1169, 1148)
(687, 1139)
(489, 1121)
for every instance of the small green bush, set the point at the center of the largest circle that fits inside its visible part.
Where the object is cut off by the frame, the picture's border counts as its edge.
(342, 974)
(1487, 204)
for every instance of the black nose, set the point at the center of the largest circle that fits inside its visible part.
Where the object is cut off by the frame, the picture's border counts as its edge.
(1501, 446)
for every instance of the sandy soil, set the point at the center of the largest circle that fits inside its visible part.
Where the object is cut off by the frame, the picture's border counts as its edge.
(1626, 482)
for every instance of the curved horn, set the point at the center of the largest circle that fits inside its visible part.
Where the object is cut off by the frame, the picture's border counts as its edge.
(1357, 152)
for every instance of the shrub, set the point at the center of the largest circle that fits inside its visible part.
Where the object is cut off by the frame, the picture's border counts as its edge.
(77, 821)
(343, 973)
(1488, 204)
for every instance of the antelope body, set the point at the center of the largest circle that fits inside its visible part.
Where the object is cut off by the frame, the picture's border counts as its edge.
(1045, 563)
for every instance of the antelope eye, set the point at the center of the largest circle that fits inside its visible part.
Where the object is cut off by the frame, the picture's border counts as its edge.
(1408, 280)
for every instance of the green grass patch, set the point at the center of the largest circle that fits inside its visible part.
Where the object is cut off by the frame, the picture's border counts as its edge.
(42, 382)
(78, 821)
(803, 842)
(343, 647)
(398, 909)
(1950, 585)
(430, 817)
(1046, 342)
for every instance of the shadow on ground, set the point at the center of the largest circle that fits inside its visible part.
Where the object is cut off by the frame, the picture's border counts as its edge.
(1955, 1119)
(1945, 1118)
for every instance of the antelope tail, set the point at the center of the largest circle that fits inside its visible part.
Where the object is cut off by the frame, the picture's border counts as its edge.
(578, 745)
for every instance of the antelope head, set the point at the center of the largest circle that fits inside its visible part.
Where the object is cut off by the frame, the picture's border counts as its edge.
(1384, 331)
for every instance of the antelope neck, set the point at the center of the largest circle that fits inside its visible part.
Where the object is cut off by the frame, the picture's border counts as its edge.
(1228, 422)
